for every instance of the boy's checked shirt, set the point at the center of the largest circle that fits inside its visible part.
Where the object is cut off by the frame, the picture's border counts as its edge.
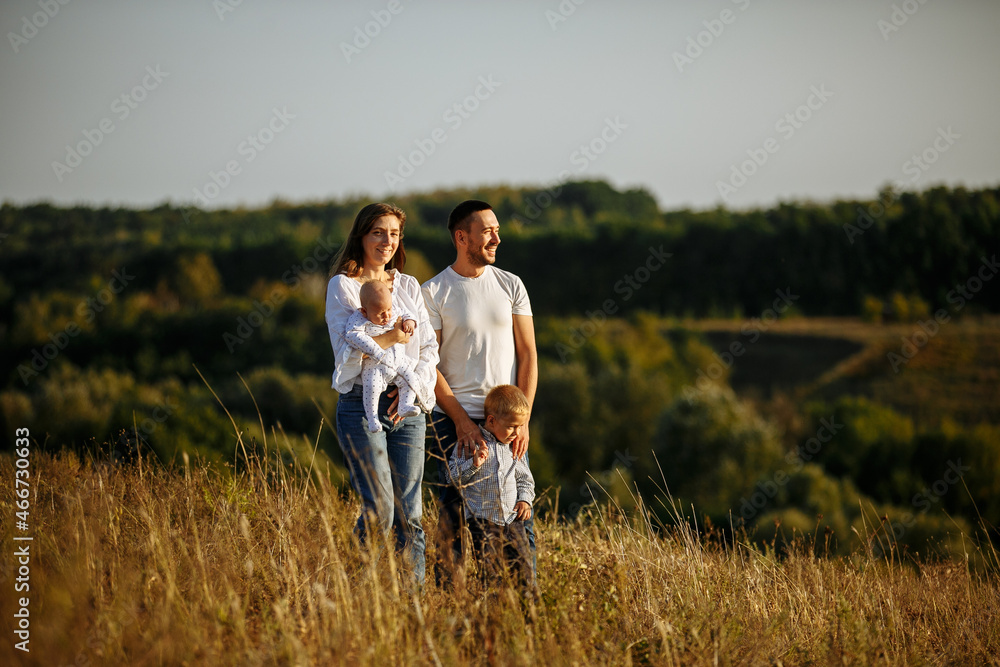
(491, 490)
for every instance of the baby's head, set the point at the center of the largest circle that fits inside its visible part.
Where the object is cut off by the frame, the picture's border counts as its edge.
(507, 411)
(376, 302)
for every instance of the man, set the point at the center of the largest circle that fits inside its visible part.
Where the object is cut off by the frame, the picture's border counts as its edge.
(482, 318)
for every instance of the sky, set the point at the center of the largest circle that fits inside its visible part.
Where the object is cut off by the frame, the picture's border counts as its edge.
(741, 103)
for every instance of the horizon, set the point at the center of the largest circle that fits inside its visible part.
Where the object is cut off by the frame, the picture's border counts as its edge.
(279, 201)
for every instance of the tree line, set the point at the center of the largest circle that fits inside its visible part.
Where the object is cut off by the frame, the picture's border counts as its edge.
(149, 321)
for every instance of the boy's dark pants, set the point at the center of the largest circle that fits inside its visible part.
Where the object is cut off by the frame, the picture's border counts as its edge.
(500, 548)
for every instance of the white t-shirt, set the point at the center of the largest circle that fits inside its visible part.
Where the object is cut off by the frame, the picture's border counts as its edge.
(343, 299)
(475, 318)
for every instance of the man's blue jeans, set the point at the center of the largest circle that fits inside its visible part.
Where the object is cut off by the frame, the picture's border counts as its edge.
(450, 518)
(387, 469)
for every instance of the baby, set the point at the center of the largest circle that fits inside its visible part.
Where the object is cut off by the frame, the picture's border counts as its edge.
(382, 367)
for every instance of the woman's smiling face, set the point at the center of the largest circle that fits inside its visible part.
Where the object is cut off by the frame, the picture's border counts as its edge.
(381, 241)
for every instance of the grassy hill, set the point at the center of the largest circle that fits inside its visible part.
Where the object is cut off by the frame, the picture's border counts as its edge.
(955, 375)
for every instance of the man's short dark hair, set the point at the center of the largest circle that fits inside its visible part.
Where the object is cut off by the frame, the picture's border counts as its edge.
(459, 218)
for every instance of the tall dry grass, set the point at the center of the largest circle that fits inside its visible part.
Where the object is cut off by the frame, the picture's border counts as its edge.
(148, 566)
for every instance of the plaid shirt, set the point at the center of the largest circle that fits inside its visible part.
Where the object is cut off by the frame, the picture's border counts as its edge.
(491, 490)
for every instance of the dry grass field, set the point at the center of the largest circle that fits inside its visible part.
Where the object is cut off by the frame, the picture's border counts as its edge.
(142, 565)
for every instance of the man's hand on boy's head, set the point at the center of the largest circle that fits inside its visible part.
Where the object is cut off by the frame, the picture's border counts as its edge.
(409, 326)
(522, 509)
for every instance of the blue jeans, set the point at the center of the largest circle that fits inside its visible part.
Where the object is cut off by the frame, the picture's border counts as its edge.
(452, 513)
(387, 469)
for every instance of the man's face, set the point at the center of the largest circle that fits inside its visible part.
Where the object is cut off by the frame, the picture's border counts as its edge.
(483, 238)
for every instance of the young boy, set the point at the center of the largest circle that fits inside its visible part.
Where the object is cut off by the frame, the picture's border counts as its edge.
(382, 367)
(498, 489)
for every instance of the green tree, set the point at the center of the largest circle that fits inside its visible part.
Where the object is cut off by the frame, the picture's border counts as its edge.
(712, 447)
(196, 281)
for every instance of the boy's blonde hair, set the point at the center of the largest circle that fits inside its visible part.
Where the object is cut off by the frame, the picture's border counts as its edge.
(505, 401)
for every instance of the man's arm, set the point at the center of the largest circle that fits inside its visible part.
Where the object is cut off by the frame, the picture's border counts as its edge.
(527, 371)
(470, 437)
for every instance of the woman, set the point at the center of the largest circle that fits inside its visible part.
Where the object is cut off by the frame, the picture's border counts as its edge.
(387, 467)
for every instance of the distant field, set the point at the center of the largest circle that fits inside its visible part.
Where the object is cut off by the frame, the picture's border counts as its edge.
(955, 374)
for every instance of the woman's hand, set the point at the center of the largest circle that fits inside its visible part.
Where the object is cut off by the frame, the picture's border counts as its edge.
(401, 332)
(390, 338)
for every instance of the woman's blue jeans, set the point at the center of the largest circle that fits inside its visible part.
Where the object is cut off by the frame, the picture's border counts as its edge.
(387, 469)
